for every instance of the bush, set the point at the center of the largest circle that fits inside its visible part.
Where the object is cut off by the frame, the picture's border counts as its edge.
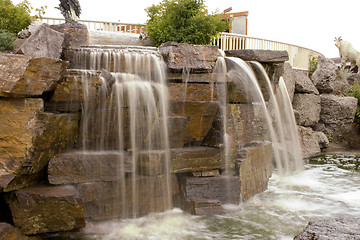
(14, 18)
(313, 63)
(6, 40)
(355, 92)
(183, 21)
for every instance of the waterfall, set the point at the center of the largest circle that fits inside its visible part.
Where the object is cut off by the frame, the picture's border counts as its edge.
(126, 111)
(278, 113)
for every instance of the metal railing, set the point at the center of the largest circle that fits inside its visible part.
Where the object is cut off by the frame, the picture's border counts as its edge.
(102, 25)
(298, 56)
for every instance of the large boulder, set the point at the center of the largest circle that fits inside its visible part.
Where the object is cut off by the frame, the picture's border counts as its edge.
(338, 228)
(337, 115)
(303, 83)
(195, 58)
(75, 34)
(266, 56)
(29, 139)
(308, 108)
(325, 75)
(47, 209)
(312, 142)
(28, 76)
(44, 42)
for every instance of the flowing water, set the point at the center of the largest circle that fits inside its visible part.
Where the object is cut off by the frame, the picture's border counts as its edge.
(281, 212)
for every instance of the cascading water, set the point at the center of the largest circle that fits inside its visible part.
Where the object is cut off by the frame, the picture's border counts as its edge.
(286, 150)
(126, 113)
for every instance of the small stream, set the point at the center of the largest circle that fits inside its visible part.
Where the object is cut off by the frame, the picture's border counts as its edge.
(329, 186)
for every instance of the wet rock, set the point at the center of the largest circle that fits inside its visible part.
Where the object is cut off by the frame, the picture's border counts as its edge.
(324, 75)
(205, 207)
(44, 42)
(75, 34)
(337, 115)
(312, 141)
(27, 76)
(193, 92)
(47, 209)
(30, 138)
(8, 232)
(177, 126)
(255, 169)
(267, 56)
(308, 109)
(338, 228)
(225, 189)
(195, 78)
(108, 200)
(200, 116)
(197, 159)
(303, 83)
(196, 58)
(81, 167)
(245, 123)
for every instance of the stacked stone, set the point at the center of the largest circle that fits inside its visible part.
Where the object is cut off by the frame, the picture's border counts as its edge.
(31, 136)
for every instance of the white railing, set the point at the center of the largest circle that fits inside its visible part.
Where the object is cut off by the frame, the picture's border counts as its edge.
(102, 26)
(298, 56)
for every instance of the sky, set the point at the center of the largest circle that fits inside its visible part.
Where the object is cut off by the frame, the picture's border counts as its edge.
(308, 23)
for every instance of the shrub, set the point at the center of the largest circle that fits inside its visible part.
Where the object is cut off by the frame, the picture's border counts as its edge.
(183, 21)
(313, 63)
(355, 92)
(6, 40)
(14, 18)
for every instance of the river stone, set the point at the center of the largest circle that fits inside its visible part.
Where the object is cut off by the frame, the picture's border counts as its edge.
(308, 108)
(30, 138)
(8, 232)
(337, 115)
(324, 75)
(267, 56)
(28, 76)
(44, 209)
(44, 42)
(339, 228)
(195, 58)
(108, 200)
(75, 34)
(312, 142)
(81, 167)
(255, 168)
(303, 83)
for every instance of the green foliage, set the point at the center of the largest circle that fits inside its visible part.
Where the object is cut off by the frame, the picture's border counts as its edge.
(355, 92)
(6, 40)
(14, 18)
(313, 63)
(344, 73)
(183, 21)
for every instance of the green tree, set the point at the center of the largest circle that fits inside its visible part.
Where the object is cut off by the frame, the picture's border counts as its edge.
(14, 18)
(183, 21)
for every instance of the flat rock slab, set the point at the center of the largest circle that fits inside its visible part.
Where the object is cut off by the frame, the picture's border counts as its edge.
(47, 209)
(29, 76)
(195, 58)
(81, 167)
(267, 56)
(339, 228)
